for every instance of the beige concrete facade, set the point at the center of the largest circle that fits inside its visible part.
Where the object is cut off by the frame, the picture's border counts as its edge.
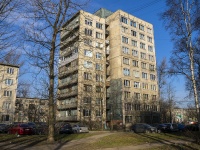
(8, 90)
(107, 71)
(31, 110)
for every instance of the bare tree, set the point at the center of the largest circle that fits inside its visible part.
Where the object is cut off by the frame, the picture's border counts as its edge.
(46, 19)
(182, 19)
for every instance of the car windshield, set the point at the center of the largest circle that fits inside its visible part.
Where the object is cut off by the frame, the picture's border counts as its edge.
(24, 125)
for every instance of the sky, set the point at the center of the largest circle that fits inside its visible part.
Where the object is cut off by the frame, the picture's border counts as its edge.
(148, 10)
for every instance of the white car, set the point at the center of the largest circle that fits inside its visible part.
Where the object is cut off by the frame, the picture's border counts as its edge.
(80, 129)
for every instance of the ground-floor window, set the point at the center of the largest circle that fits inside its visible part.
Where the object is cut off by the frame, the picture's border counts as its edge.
(128, 119)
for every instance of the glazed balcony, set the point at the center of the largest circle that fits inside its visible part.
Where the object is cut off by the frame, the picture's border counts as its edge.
(67, 72)
(68, 94)
(68, 60)
(67, 106)
(68, 83)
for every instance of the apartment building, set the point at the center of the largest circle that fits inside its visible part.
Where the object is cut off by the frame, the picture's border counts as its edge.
(31, 110)
(8, 88)
(107, 72)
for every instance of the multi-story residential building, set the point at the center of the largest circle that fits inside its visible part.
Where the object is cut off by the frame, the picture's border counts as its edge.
(107, 71)
(31, 110)
(8, 88)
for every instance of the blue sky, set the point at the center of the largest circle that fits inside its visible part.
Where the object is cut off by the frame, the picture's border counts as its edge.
(149, 11)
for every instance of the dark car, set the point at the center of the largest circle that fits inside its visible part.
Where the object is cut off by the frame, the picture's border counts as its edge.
(41, 128)
(3, 128)
(181, 127)
(67, 128)
(192, 127)
(171, 127)
(21, 129)
(161, 128)
(143, 128)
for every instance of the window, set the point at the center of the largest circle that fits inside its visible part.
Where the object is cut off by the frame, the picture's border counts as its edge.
(143, 55)
(127, 94)
(135, 63)
(99, 78)
(98, 113)
(141, 27)
(128, 106)
(137, 96)
(125, 50)
(127, 83)
(149, 39)
(88, 22)
(145, 85)
(150, 48)
(8, 93)
(124, 29)
(86, 112)
(143, 65)
(87, 64)
(98, 66)
(135, 53)
(6, 105)
(99, 25)
(152, 77)
(146, 107)
(153, 87)
(151, 67)
(99, 45)
(153, 97)
(124, 20)
(145, 97)
(125, 61)
(99, 35)
(9, 81)
(98, 101)
(87, 88)
(88, 53)
(149, 30)
(136, 84)
(144, 75)
(128, 119)
(88, 32)
(142, 45)
(88, 42)
(133, 33)
(126, 71)
(142, 36)
(137, 106)
(10, 70)
(136, 73)
(124, 39)
(87, 76)
(99, 89)
(133, 23)
(5, 117)
(151, 57)
(87, 100)
(134, 43)
(98, 55)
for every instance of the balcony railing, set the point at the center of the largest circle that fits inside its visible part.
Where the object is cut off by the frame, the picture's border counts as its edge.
(68, 94)
(65, 106)
(69, 82)
(67, 118)
(68, 60)
(68, 71)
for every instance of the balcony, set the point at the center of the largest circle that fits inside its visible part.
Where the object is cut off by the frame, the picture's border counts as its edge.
(66, 106)
(67, 118)
(68, 94)
(69, 29)
(68, 83)
(107, 42)
(107, 51)
(68, 60)
(67, 72)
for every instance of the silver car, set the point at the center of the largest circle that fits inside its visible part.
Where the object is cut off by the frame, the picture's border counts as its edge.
(80, 129)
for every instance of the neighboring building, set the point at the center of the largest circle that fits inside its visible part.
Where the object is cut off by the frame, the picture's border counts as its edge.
(107, 71)
(8, 89)
(31, 110)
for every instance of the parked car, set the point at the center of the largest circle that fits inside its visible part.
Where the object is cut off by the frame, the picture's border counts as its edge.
(67, 128)
(21, 129)
(80, 129)
(40, 128)
(181, 127)
(3, 128)
(143, 128)
(192, 127)
(171, 127)
(161, 128)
